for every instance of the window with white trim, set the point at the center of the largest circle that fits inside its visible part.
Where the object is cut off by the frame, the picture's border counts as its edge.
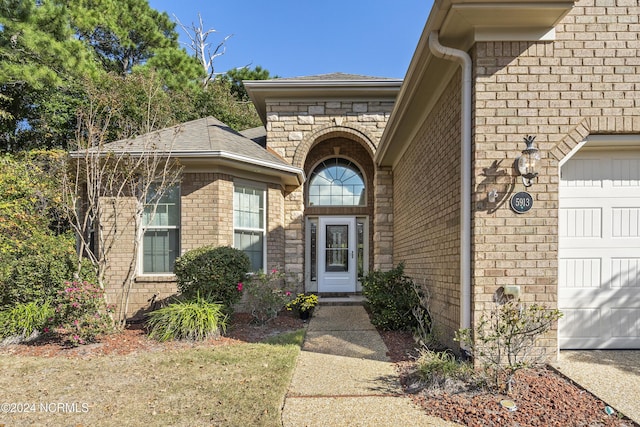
(161, 241)
(249, 220)
(336, 182)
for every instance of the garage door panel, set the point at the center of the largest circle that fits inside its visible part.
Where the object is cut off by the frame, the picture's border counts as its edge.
(625, 322)
(625, 273)
(585, 172)
(609, 272)
(579, 222)
(626, 222)
(579, 272)
(599, 250)
(626, 172)
(581, 322)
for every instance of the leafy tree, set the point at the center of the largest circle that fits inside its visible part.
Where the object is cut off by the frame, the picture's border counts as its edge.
(31, 202)
(39, 63)
(125, 33)
(217, 100)
(48, 49)
(237, 75)
(128, 34)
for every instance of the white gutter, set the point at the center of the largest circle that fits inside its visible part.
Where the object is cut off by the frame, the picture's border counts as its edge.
(460, 56)
(217, 155)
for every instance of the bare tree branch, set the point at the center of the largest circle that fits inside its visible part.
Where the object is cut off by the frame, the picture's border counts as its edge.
(201, 48)
(107, 186)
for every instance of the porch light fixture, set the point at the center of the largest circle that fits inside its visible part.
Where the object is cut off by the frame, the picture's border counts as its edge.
(528, 161)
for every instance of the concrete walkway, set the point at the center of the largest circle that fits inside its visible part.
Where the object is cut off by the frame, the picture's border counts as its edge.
(343, 377)
(611, 375)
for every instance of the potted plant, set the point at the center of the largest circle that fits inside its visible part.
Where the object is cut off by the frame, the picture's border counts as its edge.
(303, 304)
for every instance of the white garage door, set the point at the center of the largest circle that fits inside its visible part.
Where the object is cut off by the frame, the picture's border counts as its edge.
(599, 250)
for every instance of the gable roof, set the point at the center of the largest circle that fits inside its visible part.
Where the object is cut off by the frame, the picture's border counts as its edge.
(211, 140)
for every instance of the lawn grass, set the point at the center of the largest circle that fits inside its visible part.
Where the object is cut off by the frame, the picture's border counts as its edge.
(234, 385)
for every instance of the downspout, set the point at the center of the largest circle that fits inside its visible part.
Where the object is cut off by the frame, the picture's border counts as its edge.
(463, 58)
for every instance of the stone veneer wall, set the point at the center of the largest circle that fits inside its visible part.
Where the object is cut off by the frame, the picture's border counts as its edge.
(426, 197)
(355, 152)
(585, 82)
(294, 127)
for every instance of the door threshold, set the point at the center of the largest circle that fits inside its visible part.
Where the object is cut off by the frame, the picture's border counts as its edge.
(341, 299)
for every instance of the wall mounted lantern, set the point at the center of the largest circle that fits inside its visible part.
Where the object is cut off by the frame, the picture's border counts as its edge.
(528, 161)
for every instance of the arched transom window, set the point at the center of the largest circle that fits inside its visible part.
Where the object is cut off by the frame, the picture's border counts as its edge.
(336, 182)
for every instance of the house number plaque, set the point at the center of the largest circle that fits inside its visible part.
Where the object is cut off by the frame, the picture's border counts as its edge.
(521, 202)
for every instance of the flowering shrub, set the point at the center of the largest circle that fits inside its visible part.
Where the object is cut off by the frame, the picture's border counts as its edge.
(266, 295)
(303, 302)
(81, 313)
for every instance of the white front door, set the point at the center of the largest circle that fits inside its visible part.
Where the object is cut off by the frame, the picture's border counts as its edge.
(337, 254)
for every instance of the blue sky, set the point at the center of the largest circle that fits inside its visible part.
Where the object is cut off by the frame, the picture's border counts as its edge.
(292, 38)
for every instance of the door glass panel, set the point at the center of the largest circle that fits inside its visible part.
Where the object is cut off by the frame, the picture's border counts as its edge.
(360, 233)
(337, 248)
(313, 255)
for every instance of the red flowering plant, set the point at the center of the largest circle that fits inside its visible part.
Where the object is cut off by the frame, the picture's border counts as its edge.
(81, 313)
(267, 294)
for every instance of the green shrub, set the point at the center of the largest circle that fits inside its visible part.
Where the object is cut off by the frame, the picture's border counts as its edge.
(40, 270)
(37, 250)
(391, 298)
(81, 313)
(196, 319)
(266, 295)
(441, 370)
(435, 366)
(213, 272)
(24, 319)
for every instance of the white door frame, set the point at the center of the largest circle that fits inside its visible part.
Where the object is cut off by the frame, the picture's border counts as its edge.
(341, 280)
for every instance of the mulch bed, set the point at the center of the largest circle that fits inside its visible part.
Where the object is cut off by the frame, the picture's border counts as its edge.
(543, 397)
(134, 339)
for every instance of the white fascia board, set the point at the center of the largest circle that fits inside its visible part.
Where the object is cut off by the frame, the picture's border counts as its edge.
(222, 155)
(460, 24)
(239, 158)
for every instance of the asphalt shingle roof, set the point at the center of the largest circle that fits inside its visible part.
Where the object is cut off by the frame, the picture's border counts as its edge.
(203, 137)
(257, 135)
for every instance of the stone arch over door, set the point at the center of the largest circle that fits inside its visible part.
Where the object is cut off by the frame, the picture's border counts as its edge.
(329, 132)
(356, 149)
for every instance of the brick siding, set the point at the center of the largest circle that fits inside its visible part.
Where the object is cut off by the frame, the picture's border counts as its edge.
(583, 83)
(206, 219)
(426, 211)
